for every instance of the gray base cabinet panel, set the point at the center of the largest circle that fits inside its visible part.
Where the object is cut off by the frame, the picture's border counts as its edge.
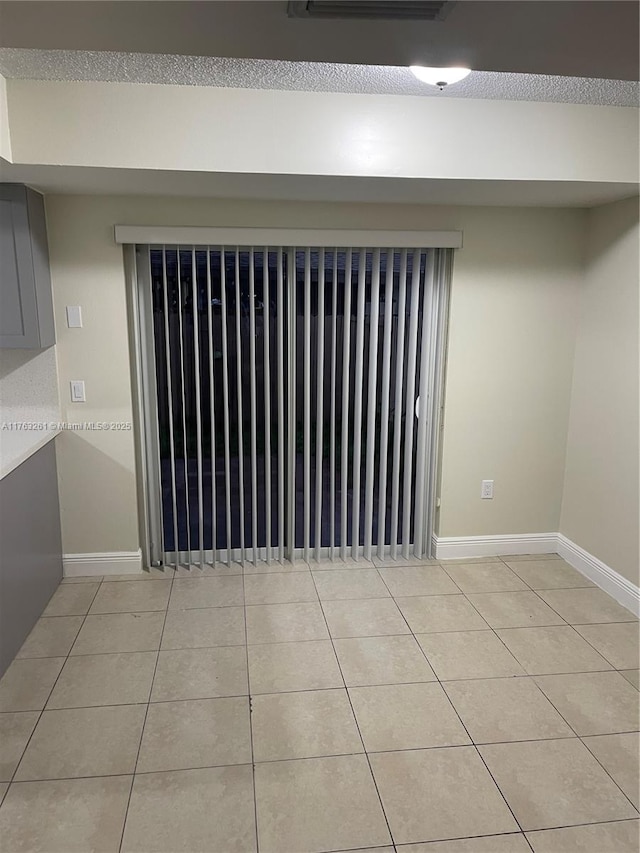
(30, 548)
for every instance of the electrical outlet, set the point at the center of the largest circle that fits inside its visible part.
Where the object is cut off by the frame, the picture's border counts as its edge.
(486, 492)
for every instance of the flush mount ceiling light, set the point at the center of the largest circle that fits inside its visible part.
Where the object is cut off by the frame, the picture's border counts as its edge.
(439, 77)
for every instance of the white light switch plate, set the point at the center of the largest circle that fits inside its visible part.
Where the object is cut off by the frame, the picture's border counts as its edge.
(77, 391)
(74, 317)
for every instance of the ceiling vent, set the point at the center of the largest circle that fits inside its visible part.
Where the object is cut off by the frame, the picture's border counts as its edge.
(391, 10)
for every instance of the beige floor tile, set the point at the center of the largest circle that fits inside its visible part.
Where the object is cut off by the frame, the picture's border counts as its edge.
(303, 725)
(382, 660)
(196, 733)
(114, 679)
(418, 580)
(485, 577)
(618, 837)
(406, 716)
(26, 684)
(65, 816)
(318, 804)
(119, 632)
(15, 731)
(84, 742)
(514, 610)
(584, 606)
(51, 637)
(619, 755)
(279, 588)
(71, 599)
(548, 574)
(594, 703)
(131, 597)
(373, 617)
(4, 787)
(215, 571)
(632, 676)
(207, 592)
(282, 623)
(350, 583)
(154, 574)
(192, 811)
(262, 568)
(559, 649)
(511, 843)
(468, 654)
(431, 794)
(212, 626)
(435, 613)
(200, 674)
(552, 783)
(284, 667)
(617, 643)
(495, 710)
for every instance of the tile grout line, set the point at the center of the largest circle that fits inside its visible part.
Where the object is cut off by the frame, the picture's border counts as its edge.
(250, 701)
(44, 706)
(355, 719)
(144, 722)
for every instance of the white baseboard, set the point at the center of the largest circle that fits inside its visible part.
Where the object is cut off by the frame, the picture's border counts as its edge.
(625, 593)
(110, 563)
(459, 547)
(618, 587)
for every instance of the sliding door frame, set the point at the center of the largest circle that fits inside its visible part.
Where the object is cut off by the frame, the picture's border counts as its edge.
(430, 411)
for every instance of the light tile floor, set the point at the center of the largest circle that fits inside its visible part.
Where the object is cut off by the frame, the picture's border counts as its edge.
(487, 706)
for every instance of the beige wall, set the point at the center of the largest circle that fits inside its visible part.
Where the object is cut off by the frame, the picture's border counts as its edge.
(510, 357)
(600, 507)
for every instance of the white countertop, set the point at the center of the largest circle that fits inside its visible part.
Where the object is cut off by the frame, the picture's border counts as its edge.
(17, 447)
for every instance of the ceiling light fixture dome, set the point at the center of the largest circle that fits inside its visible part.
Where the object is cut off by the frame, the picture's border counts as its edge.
(439, 77)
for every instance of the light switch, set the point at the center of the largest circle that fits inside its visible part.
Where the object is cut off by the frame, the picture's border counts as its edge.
(74, 316)
(77, 391)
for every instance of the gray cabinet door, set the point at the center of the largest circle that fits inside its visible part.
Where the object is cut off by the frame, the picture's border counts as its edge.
(26, 305)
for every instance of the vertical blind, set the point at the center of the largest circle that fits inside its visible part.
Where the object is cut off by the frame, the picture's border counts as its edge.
(292, 400)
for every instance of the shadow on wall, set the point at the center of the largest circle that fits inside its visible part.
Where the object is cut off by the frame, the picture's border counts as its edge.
(91, 521)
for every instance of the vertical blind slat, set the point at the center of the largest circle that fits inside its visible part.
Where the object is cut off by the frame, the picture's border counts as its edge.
(184, 413)
(281, 424)
(319, 405)
(410, 416)
(332, 419)
(266, 331)
(172, 452)
(239, 404)
(371, 403)
(344, 456)
(384, 403)
(397, 406)
(252, 392)
(225, 402)
(357, 404)
(307, 402)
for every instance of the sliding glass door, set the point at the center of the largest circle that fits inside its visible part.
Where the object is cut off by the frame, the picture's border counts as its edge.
(291, 400)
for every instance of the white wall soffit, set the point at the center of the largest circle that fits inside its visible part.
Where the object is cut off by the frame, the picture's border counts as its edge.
(199, 236)
(192, 128)
(112, 67)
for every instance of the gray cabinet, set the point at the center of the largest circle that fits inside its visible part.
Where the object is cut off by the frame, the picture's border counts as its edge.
(26, 304)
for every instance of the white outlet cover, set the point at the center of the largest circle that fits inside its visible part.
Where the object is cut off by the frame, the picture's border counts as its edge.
(77, 391)
(74, 317)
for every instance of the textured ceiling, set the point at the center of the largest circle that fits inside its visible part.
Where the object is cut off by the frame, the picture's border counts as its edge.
(304, 76)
